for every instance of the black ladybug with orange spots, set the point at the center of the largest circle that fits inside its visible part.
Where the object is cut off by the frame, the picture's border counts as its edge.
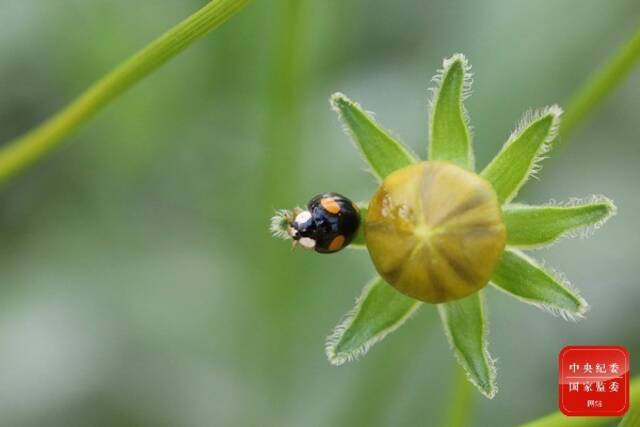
(329, 224)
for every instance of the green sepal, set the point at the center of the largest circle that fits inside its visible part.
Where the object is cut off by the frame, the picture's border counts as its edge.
(359, 241)
(379, 310)
(536, 226)
(449, 130)
(523, 278)
(381, 151)
(466, 328)
(521, 155)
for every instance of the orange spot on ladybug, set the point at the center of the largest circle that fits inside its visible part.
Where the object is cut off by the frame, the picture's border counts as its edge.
(330, 205)
(336, 243)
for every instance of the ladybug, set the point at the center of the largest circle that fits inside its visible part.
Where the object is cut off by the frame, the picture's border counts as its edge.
(329, 223)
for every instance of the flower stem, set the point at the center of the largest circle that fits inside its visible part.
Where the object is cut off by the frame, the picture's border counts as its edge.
(461, 401)
(600, 84)
(26, 149)
(558, 419)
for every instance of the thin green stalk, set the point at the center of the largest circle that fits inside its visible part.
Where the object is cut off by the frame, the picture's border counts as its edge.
(600, 84)
(23, 151)
(558, 419)
(461, 402)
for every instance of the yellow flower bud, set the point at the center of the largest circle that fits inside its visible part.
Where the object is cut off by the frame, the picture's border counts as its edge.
(434, 231)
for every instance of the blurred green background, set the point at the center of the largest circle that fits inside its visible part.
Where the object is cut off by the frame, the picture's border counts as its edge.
(139, 284)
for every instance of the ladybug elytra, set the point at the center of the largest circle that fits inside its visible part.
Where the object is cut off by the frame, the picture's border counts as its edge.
(329, 223)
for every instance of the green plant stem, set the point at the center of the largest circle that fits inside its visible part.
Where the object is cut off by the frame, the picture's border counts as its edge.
(23, 151)
(558, 419)
(600, 84)
(461, 401)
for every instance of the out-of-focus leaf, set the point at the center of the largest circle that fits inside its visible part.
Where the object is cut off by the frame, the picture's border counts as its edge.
(449, 133)
(522, 277)
(535, 226)
(466, 329)
(382, 152)
(521, 155)
(379, 310)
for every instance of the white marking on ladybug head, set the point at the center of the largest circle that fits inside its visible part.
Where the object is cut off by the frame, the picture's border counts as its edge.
(308, 242)
(292, 232)
(303, 217)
